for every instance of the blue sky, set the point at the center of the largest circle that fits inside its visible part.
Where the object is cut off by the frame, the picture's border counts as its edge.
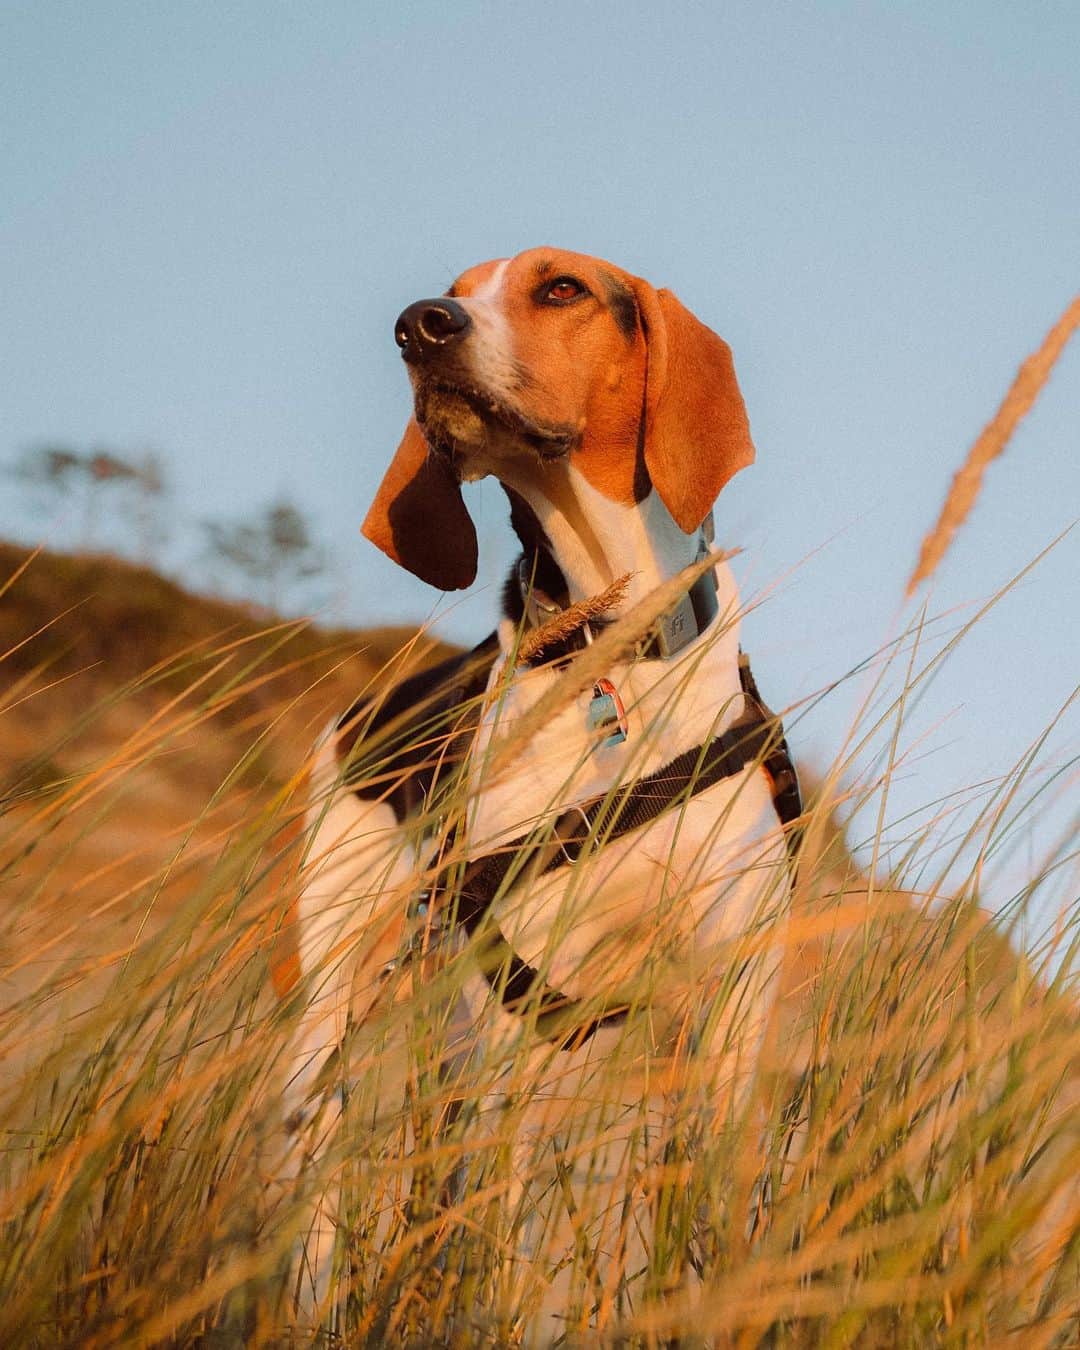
(211, 215)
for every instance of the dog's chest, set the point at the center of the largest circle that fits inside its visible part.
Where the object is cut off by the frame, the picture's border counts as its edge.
(660, 896)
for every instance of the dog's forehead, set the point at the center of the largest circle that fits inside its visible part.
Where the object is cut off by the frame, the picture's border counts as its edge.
(477, 278)
(527, 269)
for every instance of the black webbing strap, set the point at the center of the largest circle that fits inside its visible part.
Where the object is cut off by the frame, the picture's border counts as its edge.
(778, 764)
(757, 737)
(595, 823)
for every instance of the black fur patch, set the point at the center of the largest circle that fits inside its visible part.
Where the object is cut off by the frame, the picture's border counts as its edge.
(642, 480)
(525, 522)
(423, 726)
(622, 304)
(539, 563)
(445, 555)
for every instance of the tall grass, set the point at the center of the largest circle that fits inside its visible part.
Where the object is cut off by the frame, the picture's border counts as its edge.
(902, 1169)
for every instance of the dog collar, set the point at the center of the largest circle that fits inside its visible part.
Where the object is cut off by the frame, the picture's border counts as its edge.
(686, 620)
(693, 612)
(679, 625)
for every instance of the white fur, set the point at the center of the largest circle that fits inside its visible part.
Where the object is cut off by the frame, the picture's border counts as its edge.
(491, 343)
(668, 903)
(673, 902)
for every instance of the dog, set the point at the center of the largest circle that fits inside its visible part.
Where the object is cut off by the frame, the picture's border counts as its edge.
(629, 804)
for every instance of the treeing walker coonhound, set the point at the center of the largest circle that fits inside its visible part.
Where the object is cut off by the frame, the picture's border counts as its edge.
(615, 870)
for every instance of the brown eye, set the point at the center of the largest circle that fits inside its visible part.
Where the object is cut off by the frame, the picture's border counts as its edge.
(563, 289)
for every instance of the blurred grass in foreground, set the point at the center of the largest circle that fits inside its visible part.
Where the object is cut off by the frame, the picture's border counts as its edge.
(904, 1171)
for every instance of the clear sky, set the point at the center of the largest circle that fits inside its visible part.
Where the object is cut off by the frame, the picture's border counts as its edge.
(210, 215)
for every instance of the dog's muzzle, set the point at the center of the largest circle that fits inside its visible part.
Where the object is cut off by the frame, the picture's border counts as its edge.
(430, 326)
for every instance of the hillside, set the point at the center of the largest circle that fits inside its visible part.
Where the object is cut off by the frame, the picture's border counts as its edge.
(140, 725)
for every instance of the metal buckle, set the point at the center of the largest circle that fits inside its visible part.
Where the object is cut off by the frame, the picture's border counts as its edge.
(539, 607)
(562, 843)
(427, 930)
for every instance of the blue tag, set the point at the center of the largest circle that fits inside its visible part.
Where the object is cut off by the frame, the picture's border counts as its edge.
(605, 715)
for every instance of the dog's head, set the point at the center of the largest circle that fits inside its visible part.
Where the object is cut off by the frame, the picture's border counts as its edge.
(530, 364)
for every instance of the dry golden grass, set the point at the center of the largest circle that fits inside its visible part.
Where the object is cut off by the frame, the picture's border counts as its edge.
(992, 440)
(904, 1171)
(572, 619)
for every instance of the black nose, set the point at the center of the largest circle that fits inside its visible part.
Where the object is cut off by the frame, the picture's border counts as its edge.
(428, 325)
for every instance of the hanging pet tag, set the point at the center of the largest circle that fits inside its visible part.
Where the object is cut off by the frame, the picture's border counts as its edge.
(607, 715)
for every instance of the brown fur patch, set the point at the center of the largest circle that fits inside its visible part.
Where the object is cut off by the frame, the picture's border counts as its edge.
(419, 519)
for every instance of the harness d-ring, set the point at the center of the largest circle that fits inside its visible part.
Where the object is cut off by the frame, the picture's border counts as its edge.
(564, 839)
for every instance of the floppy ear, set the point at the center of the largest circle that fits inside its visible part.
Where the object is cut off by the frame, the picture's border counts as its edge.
(419, 519)
(696, 430)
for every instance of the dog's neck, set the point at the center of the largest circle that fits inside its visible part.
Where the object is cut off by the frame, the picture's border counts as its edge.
(594, 540)
(674, 703)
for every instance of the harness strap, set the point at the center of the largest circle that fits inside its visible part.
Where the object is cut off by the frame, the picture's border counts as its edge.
(757, 736)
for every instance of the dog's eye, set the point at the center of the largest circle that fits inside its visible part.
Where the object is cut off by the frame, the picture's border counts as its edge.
(562, 289)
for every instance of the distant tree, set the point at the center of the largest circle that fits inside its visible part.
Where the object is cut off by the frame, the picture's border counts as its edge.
(150, 490)
(272, 554)
(61, 470)
(102, 469)
(51, 466)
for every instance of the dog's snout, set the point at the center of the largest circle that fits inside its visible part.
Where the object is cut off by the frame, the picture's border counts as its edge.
(429, 325)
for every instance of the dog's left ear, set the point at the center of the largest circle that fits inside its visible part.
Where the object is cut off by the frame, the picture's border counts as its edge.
(419, 519)
(697, 434)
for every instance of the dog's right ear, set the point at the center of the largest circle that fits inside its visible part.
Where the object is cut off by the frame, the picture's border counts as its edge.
(419, 518)
(696, 429)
